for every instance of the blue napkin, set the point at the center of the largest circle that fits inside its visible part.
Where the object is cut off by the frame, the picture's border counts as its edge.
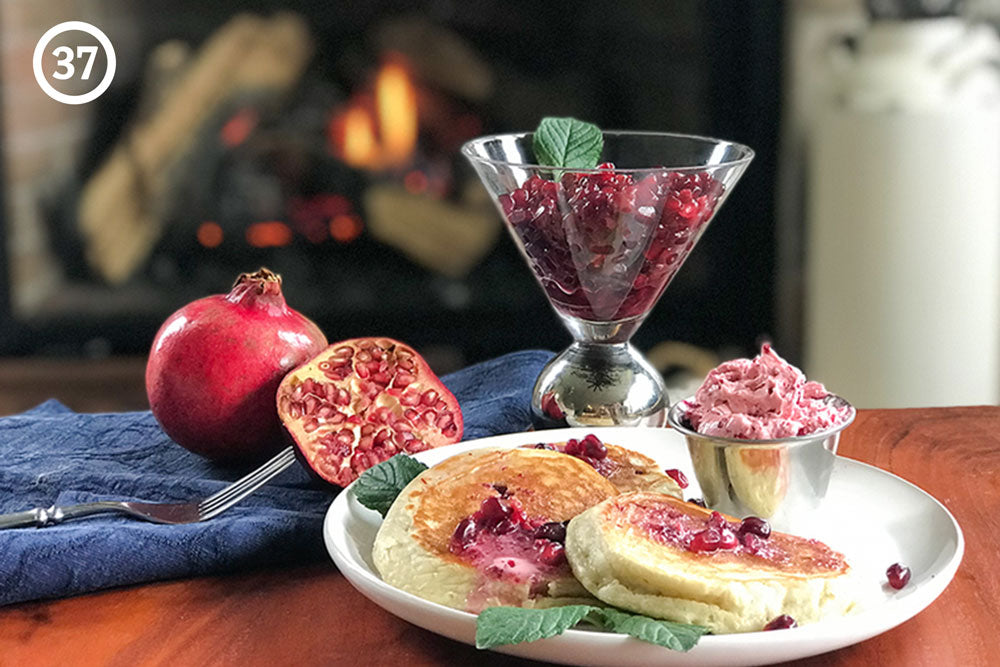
(52, 455)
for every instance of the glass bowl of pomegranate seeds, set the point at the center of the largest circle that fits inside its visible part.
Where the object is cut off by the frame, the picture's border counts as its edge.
(604, 243)
(783, 480)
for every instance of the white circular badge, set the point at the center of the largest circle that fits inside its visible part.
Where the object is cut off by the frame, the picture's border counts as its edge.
(71, 61)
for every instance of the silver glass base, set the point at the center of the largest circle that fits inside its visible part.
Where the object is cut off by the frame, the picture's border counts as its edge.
(599, 384)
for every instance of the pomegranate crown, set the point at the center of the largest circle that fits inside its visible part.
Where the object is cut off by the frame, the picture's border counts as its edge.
(260, 283)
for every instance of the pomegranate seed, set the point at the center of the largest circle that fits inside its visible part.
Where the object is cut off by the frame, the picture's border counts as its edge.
(492, 511)
(752, 543)
(899, 575)
(677, 476)
(712, 539)
(464, 535)
(573, 447)
(415, 445)
(755, 526)
(552, 553)
(553, 531)
(783, 622)
(716, 520)
(429, 397)
(593, 447)
(503, 527)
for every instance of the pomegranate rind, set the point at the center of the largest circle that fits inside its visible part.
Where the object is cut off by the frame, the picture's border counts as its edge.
(361, 401)
(216, 363)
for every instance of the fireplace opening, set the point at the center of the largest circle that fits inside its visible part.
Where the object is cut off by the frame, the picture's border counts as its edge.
(322, 141)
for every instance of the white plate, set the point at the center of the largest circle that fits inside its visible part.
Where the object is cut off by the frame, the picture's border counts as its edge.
(874, 518)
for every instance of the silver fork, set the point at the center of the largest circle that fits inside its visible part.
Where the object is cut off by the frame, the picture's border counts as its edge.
(190, 512)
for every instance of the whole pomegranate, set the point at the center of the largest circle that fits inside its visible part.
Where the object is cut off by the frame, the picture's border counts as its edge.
(363, 400)
(216, 364)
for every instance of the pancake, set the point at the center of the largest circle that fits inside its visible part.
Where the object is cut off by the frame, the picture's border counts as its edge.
(634, 551)
(628, 470)
(447, 537)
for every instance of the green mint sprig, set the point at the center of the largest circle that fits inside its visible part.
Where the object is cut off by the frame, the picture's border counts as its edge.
(567, 143)
(378, 486)
(513, 625)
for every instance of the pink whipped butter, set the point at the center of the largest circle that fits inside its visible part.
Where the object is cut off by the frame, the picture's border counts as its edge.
(761, 399)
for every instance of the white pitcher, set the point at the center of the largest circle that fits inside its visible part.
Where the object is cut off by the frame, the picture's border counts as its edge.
(902, 301)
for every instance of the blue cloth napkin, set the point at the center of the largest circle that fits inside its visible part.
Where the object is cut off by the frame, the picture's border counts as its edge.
(52, 455)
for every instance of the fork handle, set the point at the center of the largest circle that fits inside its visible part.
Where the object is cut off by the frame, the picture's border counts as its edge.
(41, 517)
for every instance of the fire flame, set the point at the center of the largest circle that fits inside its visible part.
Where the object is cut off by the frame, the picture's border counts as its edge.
(379, 131)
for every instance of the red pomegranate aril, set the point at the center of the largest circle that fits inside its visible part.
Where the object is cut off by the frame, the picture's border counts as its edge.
(593, 448)
(553, 531)
(783, 622)
(677, 476)
(712, 539)
(751, 542)
(573, 447)
(464, 535)
(552, 553)
(492, 511)
(756, 526)
(898, 575)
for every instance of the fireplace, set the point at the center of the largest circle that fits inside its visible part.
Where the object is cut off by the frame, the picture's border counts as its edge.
(321, 140)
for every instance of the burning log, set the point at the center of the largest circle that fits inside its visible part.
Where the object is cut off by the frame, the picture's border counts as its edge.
(443, 236)
(120, 209)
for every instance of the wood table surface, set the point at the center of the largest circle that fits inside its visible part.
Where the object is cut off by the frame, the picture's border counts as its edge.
(310, 615)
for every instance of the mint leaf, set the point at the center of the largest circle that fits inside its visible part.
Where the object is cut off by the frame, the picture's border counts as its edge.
(378, 486)
(567, 142)
(676, 636)
(513, 625)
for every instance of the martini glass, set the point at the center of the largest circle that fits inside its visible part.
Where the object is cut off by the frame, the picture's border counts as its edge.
(604, 244)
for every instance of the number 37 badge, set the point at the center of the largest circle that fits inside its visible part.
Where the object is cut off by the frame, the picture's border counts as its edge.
(74, 63)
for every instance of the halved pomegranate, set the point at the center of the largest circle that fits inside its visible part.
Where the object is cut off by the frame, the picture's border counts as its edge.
(360, 401)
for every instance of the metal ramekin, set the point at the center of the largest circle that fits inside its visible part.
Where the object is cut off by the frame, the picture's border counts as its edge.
(783, 480)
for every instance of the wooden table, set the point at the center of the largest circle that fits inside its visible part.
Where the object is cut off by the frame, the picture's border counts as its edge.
(311, 615)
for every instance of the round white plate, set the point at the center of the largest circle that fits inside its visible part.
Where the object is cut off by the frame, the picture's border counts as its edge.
(871, 516)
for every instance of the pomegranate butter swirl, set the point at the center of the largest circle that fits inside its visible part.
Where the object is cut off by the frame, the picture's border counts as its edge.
(763, 398)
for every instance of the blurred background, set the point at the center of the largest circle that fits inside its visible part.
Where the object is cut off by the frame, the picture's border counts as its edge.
(321, 140)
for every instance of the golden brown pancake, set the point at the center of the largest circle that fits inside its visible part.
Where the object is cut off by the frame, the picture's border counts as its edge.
(416, 548)
(628, 470)
(640, 551)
